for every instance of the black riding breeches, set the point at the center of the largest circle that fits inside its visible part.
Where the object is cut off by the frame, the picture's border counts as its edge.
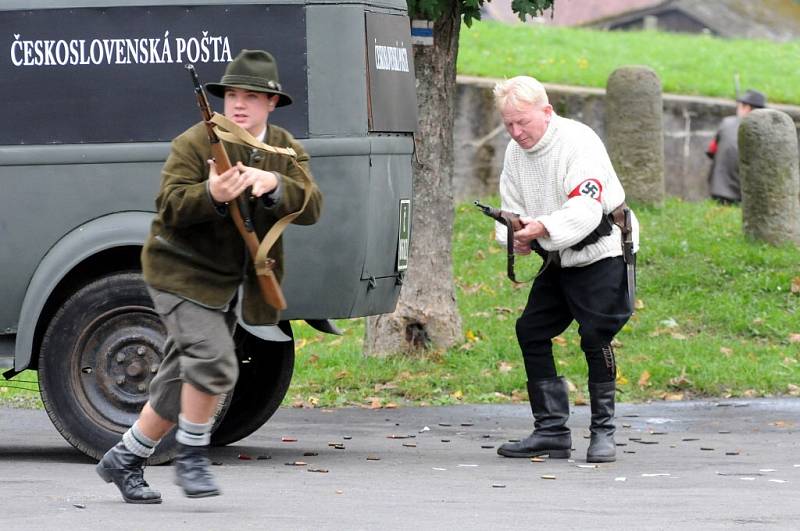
(595, 296)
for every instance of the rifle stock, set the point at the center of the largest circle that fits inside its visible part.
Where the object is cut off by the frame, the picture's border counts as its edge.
(267, 281)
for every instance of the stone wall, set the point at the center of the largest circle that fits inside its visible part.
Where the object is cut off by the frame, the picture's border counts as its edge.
(689, 125)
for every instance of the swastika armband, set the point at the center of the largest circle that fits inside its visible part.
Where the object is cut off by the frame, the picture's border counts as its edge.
(590, 188)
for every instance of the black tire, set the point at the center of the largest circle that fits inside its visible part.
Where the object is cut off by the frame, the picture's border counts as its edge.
(265, 371)
(98, 355)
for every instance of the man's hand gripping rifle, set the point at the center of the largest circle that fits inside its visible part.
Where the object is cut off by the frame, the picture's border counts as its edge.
(240, 210)
(512, 223)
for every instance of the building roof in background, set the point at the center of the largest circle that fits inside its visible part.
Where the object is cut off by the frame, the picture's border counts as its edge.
(753, 19)
(765, 19)
(567, 12)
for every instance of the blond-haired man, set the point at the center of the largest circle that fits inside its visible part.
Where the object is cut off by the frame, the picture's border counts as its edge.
(557, 175)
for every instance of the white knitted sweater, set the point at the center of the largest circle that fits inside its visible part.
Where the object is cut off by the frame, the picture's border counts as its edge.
(567, 183)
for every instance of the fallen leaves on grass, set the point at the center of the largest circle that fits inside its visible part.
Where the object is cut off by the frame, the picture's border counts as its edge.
(681, 381)
(471, 289)
(673, 396)
(309, 403)
(518, 396)
(795, 286)
(504, 367)
(472, 336)
(644, 379)
(560, 341)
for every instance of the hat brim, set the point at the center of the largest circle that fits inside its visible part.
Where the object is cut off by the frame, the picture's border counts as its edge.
(218, 90)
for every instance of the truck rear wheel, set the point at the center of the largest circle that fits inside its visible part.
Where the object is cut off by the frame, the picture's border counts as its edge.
(265, 371)
(98, 356)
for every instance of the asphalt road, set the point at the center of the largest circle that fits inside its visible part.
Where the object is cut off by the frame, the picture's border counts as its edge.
(682, 465)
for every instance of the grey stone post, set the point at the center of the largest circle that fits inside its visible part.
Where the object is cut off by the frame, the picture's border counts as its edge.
(770, 179)
(635, 132)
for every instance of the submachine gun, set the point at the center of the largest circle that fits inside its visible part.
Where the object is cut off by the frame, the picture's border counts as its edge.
(513, 224)
(620, 216)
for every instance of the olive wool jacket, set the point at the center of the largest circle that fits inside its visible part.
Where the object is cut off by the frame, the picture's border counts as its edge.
(194, 249)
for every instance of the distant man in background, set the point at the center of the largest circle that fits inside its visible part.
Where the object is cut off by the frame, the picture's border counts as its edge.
(723, 150)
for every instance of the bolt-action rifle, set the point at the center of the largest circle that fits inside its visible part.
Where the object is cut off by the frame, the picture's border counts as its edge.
(240, 209)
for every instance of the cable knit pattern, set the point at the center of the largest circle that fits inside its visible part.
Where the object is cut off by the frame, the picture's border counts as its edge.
(537, 182)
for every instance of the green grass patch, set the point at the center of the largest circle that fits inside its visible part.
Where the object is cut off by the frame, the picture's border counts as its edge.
(22, 391)
(686, 64)
(717, 318)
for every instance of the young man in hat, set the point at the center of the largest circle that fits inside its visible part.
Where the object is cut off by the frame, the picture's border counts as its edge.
(194, 263)
(723, 179)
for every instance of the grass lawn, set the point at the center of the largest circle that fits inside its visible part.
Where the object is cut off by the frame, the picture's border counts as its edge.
(719, 316)
(686, 64)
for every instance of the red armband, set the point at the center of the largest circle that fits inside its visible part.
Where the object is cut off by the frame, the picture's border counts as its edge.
(590, 188)
(712, 148)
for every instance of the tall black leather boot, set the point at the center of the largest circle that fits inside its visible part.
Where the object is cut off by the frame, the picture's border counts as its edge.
(602, 448)
(550, 406)
(192, 472)
(126, 470)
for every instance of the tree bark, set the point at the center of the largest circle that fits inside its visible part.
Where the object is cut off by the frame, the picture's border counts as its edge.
(426, 315)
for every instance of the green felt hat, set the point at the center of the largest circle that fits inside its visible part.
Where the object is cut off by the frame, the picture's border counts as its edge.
(254, 70)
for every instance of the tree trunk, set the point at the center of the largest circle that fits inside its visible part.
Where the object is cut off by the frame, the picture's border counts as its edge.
(426, 315)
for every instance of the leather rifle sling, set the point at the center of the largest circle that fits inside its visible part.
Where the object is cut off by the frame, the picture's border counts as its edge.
(231, 132)
(509, 249)
(507, 221)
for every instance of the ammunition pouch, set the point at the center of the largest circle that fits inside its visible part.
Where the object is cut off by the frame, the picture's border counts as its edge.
(604, 228)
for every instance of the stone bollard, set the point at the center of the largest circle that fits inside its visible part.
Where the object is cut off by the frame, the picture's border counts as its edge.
(635, 132)
(769, 175)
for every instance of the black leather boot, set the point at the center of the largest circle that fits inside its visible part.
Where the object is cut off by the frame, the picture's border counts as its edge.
(602, 448)
(550, 406)
(192, 472)
(126, 470)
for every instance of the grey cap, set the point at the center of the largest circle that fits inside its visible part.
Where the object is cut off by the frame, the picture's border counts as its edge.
(753, 98)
